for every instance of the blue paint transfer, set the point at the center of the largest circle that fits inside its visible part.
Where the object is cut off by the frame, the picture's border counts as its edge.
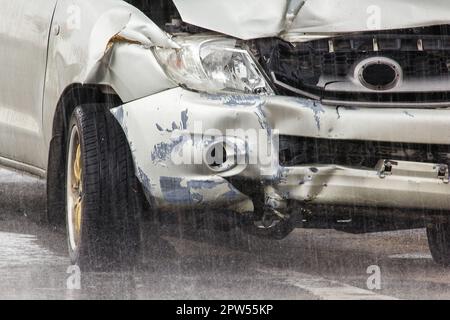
(184, 119)
(162, 151)
(174, 126)
(175, 193)
(145, 181)
(315, 106)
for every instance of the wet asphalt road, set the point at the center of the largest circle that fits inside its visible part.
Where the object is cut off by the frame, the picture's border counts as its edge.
(309, 264)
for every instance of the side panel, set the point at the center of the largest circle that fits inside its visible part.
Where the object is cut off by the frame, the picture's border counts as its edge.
(24, 32)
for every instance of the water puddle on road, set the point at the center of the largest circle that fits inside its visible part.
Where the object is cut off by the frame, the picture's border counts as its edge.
(28, 270)
(23, 250)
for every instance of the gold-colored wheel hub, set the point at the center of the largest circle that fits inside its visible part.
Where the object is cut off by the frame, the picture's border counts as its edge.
(77, 188)
(74, 190)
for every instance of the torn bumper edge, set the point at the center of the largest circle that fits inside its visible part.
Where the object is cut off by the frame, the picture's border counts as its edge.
(157, 128)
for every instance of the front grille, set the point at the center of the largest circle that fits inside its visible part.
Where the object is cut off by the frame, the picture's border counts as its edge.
(414, 63)
(296, 151)
(306, 64)
(325, 68)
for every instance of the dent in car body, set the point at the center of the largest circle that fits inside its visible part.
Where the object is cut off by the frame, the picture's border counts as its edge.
(323, 184)
(156, 139)
(103, 43)
(294, 20)
(112, 46)
(178, 190)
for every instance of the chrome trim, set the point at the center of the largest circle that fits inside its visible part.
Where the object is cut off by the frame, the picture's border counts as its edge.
(386, 104)
(290, 88)
(364, 64)
(12, 164)
(331, 102)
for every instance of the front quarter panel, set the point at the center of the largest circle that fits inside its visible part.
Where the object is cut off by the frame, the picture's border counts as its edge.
(105, 42)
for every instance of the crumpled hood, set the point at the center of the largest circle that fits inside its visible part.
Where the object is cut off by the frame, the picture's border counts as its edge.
(290, 19)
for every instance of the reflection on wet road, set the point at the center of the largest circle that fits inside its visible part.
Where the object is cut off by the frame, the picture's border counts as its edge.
(22, 250)
(309, 264)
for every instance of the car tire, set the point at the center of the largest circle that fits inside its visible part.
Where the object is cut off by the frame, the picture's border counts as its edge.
(102, 211)
(439, 242)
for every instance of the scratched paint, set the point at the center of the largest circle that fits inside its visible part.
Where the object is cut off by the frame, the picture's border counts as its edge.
(305, 117)
(232, 100)
(409, 114)
(317, 109)
(162, 151)
(177, 190)
(180, 126)
(145, 180)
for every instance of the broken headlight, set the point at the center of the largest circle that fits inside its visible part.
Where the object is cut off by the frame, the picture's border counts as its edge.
(213, 65)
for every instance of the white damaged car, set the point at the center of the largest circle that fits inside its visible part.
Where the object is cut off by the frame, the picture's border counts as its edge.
(277, 114)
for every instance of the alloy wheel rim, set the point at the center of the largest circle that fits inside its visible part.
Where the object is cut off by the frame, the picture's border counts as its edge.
(74, 190)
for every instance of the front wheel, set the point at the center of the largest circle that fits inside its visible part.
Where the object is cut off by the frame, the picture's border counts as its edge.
(439, 242)
(102, 213)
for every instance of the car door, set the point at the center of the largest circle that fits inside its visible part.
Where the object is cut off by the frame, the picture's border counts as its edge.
(24, 34)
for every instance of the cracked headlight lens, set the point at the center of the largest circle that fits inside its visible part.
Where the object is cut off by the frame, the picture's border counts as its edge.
(213, 65)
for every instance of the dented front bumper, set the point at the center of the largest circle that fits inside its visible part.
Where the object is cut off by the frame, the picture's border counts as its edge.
(163, 127)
